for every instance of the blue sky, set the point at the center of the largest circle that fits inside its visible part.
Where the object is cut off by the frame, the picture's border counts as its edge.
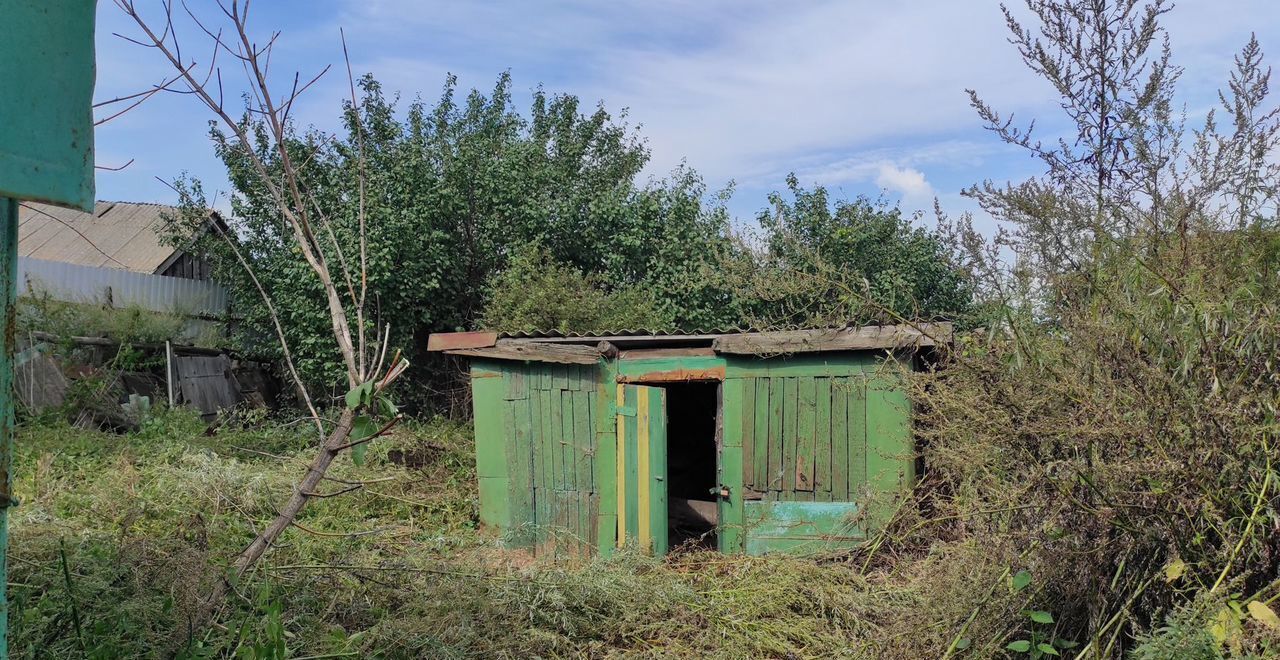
(865, 97)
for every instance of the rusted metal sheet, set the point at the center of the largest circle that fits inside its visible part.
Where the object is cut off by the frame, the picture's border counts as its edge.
(846, 339)
(674, 376)
(448, 341)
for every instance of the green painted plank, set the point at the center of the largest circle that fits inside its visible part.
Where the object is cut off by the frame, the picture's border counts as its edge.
(822, 442)
(583, 438)
(574, 377)
(594, 520)
(806, 409)
(777, 393)
(759, 463)
(537, 478)
(658, 470)
(841, 392)
(561, 376)
(555, 444)
(800, 527)
(521, 479)
(632, 368)
(890, 455)
(605, 463)
(46, 135)
(790, 390)
(568, 444)
(572, 538)
(9, 306)
(566, 518)
(748, 415)
(494, 511)
(514, 378)
(591, 449)
(583, 525)
(730, 465)
(510, 448)
(548, 446)
(825, 365)
(487, 397)
(857, 436)
(578, 430)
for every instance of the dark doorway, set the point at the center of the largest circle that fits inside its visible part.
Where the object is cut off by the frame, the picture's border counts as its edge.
(691, 463)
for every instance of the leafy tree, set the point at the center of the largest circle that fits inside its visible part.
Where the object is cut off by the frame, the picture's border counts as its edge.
(452, 191)
(825, 262)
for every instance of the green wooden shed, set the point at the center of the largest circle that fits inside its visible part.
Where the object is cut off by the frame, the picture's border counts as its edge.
(751, 442)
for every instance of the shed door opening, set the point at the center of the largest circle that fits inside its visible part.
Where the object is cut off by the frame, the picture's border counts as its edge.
(691, 463)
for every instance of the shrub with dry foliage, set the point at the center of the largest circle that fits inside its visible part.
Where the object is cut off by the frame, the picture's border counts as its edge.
(1118, 425)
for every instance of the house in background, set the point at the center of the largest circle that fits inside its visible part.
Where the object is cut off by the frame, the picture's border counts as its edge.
(120, 235)
(115, 257)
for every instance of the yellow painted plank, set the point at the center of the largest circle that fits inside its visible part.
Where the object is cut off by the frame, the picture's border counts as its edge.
(642, 454)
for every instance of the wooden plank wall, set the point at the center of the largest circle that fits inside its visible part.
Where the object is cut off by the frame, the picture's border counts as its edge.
(804, 438)
(549, 412)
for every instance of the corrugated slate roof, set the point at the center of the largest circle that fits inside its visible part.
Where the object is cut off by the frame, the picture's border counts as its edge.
(623, 332)
(123, 235)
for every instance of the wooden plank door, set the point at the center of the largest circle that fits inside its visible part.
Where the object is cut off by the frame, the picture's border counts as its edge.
(642, 467)
(803, 446)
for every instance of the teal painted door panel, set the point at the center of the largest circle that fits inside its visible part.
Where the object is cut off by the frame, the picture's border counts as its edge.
(800, 527)
(46, 98)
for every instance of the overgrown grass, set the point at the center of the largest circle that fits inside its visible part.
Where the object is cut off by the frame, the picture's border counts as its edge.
(147, 520)
(40, 312)
(118, 537)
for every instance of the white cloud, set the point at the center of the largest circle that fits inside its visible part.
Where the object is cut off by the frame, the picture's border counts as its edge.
(869, 94)
(910, 182)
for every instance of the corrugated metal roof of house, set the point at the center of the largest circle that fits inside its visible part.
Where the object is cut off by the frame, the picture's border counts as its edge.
(123, 235)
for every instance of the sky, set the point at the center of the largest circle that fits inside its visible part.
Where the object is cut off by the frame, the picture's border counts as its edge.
(863, 96)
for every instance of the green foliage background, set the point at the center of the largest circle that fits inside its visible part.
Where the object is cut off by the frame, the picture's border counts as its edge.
(479, 214)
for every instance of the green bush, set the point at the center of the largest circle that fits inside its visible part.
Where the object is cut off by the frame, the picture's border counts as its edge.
(535, 292)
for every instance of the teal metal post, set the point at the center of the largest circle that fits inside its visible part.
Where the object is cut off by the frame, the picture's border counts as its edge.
(46, 155)
(8, 300)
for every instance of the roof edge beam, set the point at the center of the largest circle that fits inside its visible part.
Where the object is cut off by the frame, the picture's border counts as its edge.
(870, 337)
(559, 354)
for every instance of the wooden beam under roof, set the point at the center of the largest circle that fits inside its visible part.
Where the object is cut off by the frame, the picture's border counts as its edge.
(532, 352)
(448, 341)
